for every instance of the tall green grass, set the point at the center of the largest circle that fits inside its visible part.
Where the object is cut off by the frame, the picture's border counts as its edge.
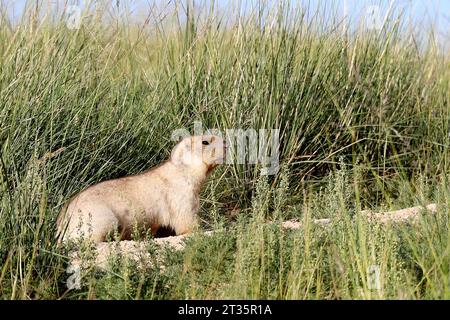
(364, 121)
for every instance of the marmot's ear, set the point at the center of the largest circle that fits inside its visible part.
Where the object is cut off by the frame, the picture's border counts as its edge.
(176, 155)
(180, 152)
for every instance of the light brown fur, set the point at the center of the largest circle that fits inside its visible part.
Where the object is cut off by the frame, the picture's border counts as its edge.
(164, 196)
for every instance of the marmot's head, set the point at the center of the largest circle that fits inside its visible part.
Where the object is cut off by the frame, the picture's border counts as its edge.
(198, 151)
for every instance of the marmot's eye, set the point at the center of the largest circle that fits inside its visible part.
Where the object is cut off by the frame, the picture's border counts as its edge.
(205, 142)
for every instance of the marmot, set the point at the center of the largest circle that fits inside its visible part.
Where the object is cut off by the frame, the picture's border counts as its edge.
(163, 196)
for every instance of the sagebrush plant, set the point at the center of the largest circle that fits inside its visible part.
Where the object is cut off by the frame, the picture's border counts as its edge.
(364, 121)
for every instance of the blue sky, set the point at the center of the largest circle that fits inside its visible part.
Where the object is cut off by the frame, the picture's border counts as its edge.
(421, 12)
